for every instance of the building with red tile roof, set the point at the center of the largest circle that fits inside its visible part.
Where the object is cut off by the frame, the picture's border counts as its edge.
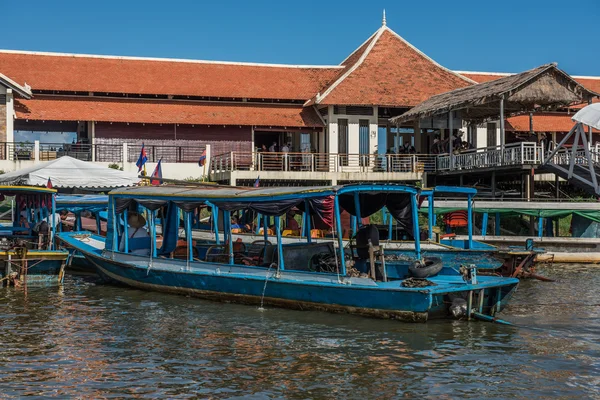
(242, 106)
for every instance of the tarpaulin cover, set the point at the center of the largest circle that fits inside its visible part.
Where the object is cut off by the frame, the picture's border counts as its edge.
(398, 204)
(123, 204)
(270, 208)
(170, 227)
(320, 211)
(68, 172)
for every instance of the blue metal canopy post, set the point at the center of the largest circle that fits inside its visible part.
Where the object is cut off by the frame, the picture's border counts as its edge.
(215, 218)
(53, 231)
(279, 243)
(338, 228)
(307, 222)
(188, 235)
(484, 224)
(416, 231)
(430, 211)
(357, 210)
(470, 220)
(126, 232)
(227, 230)
(153, 230)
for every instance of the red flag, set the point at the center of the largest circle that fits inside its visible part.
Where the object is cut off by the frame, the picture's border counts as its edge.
(156, 174)
(49, 184)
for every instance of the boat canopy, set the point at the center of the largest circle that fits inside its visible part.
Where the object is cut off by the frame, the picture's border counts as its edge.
(269, 201)
(320, 202)
(7, 190)
(77, 203)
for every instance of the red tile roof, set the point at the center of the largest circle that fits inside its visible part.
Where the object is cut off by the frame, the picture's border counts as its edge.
(54, 108)
(481, 77)
(541, 123)
(388, 71)
(48, 71)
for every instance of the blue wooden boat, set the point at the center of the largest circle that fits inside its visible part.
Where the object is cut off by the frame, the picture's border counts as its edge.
(398, 241)
(78, 204)
(28, 255)
(319, 276)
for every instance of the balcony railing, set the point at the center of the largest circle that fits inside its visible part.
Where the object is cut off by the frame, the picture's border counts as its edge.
(525, 153)
(322, 162)
(111, 153)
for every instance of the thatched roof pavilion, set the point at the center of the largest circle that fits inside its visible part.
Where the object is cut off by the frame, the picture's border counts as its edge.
(541, 88)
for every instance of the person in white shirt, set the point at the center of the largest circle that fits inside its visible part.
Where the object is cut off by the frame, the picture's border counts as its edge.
(58, 218)
(136, 230)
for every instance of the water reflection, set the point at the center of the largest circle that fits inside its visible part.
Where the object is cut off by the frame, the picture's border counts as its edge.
(90, 340)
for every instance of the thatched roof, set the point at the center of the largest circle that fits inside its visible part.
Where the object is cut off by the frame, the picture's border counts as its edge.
(544, 87)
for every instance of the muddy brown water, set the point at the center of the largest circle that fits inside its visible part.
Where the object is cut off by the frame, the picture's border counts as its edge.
(90, 340)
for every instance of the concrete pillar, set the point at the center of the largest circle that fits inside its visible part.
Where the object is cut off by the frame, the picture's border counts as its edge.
(36, 151)
(332, 144)
(374, 131)
(10, 117)
(207, 161)
(124, 156)
(91, 127)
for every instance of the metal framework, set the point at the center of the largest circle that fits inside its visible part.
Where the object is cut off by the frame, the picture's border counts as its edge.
(575, 156)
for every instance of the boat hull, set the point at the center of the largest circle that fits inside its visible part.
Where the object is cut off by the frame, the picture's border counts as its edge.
(41, 267)
(295, 289)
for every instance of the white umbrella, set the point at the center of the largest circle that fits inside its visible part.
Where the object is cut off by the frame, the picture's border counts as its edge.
(589, 115)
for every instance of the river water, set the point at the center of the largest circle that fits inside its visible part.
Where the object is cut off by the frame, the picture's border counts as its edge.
(90, 340)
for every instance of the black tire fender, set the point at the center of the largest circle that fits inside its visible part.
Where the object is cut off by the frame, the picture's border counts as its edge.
(430, 266)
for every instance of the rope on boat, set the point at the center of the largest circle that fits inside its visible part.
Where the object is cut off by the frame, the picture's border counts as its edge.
(83, 237)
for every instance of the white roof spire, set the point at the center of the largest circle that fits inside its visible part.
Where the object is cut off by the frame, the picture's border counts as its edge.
(384, 22)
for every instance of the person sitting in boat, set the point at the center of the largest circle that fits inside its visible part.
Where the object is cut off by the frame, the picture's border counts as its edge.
(139, 238)
(291, 223)
(236, 227)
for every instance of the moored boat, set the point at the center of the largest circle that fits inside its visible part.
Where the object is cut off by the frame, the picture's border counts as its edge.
(28, 254)
(322, 276)
(86, 209)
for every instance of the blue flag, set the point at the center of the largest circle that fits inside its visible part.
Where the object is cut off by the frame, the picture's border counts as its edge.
(202, 159)
(257, 182)
(142, 159)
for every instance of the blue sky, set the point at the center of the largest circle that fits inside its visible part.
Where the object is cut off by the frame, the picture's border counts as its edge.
(503, 36)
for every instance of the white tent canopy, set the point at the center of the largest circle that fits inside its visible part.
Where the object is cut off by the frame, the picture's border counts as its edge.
(589, 115)
(69, 172)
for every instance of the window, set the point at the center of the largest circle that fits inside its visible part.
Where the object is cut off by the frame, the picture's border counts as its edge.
(343, 140)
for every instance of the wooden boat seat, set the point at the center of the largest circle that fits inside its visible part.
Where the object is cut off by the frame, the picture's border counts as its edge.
(448, 235)
(456, 219)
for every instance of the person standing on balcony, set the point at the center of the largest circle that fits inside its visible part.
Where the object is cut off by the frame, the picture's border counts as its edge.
(273, 147)
(408, 148)
(436, 147)
(543, 141)
(285, 150)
